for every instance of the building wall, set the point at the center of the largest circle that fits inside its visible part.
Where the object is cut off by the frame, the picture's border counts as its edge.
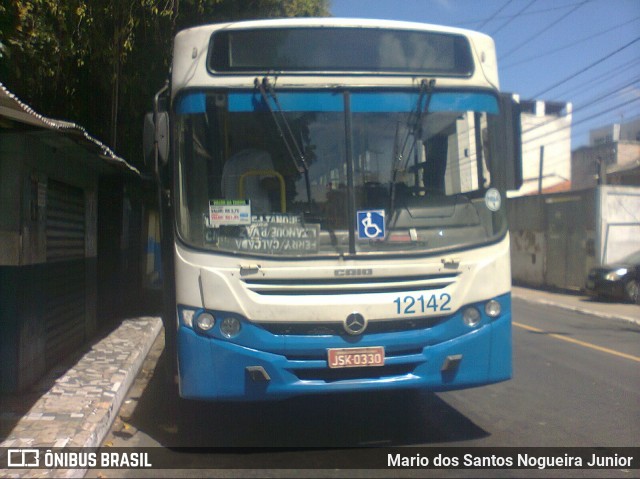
(585, 162)
(122, 244)
(528, 245)
(28, 161)
(629, 131)
(11, 190)
(552, 238)
(604, 135)
(614, 148)
(48, 265)
(619, 225)
(547, 126)
(557, 238)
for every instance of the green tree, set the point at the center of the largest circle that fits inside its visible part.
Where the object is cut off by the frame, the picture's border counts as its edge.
(99, 62)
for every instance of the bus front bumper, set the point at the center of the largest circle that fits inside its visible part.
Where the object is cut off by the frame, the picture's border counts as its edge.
(214, 369)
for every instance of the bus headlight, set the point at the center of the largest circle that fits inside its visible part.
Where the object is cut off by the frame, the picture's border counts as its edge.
(205, 321)
(230, 327)
(471, 316)
(492, 308)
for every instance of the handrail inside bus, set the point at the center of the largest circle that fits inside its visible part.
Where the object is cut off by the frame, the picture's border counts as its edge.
(283, 196)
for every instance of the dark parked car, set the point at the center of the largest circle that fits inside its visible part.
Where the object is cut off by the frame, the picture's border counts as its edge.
(620, 280)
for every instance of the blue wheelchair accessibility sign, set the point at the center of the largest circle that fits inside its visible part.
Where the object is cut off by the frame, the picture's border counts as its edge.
(371, 224)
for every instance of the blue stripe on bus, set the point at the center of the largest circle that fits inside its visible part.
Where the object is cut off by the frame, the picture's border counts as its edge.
(307, 101)
(406, 102)
(333, 102)
(192, 103)
(478, 102)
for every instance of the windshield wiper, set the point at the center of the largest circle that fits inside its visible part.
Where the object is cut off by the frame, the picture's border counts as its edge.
(295, 152)
(414, 124)
(284, 129)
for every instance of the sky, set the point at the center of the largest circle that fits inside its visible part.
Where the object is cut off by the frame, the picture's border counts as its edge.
(586, 52)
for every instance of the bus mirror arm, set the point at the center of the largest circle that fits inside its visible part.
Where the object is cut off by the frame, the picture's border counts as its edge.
(161, 123)
(510, 119)
(156, 133)
(156, 147)
(162, 138)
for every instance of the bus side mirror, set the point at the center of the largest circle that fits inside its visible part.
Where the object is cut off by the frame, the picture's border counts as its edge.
(512, 127)
(156, 133)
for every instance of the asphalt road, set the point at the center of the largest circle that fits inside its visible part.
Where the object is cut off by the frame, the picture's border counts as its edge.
(576, 383)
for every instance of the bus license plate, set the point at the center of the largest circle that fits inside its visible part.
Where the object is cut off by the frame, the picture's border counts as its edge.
(356, 357)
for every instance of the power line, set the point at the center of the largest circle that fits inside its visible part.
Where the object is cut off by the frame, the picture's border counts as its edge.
(594, 82)
(581, 121)
(584, 119)
(588, 67)
(574, 132)
(495, 14)
(589, 103)
(587, 128)
(532, 12)
(569, 45)
(583, 130)
(620, 89)
(537, 34)
(513, 17)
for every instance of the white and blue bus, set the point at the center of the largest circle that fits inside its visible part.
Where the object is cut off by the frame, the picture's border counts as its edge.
(334, 195)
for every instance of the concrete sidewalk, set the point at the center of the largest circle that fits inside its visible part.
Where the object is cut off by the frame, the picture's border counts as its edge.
(580, 303)
(76, 404)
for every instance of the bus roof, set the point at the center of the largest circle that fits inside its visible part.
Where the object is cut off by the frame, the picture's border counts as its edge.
(335, 22)
(191, 47)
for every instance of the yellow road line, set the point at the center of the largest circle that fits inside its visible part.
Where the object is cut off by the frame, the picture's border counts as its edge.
(576, 341)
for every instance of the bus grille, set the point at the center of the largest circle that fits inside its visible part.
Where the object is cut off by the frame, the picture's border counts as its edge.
(349, 285)
(337, 329)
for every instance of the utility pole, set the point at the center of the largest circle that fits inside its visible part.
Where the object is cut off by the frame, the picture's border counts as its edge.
(541, 169)
(602, 171)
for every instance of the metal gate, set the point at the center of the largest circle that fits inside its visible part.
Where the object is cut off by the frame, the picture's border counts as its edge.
(64, 282)
(566, 239)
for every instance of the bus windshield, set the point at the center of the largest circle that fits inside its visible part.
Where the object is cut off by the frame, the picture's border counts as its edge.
(337, 172)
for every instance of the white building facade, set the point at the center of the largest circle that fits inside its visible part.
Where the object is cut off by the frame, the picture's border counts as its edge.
(546, 147)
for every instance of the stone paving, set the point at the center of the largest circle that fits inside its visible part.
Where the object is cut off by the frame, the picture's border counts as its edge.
(77, 408)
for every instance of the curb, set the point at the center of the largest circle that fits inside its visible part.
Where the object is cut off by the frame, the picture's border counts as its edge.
(576, 309)
(133, 366)
(80, 407)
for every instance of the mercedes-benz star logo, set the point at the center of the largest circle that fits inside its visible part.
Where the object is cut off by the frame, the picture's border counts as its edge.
(355, 324)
